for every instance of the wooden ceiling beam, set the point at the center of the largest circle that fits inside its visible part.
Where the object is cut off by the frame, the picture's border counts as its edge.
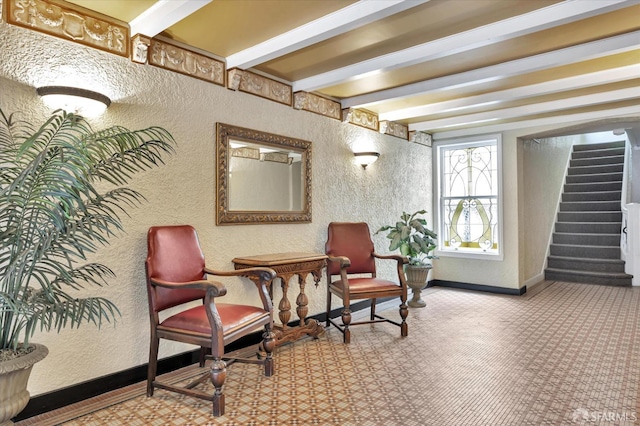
(555, 58)
(516, 93)
(346, 19)
(527, 23)
(559, 119)
(528, 110)
(163, 14)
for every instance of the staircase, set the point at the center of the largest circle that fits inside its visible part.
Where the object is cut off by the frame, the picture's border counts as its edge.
(586, 241)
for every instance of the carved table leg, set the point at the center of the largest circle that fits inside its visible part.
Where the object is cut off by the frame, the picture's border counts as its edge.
(284, 306)
(311, 326)
(302, 301)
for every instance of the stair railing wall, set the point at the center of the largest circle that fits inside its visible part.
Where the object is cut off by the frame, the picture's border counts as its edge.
(630, 235)
(624, 245)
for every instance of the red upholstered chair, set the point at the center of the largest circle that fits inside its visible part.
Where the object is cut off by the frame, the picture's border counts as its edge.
(176, 274)
(352, 258)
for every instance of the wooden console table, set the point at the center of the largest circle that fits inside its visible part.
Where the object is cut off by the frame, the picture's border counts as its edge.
(286, 266)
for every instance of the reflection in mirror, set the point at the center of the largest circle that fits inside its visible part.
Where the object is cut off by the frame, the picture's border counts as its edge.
(262, 177)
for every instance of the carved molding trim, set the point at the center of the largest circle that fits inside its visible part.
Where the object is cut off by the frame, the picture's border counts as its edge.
(256, 84)
(140, 48)
(68, 22)
(313, 103)
(394, 129)
(360, 117)
(421, 138)
(173, 58)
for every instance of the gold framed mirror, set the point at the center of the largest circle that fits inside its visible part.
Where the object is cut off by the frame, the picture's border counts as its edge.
(261, 177)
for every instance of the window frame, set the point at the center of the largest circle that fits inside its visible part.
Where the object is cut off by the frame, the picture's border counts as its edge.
(461, 252)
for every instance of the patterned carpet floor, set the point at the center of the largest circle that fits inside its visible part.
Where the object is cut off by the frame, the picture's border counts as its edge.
(561, 354)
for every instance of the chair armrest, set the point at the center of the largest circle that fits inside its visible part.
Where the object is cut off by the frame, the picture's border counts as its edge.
(264, 274)
(402, 259)
(344, 260)
(215, 289)
(260, 276)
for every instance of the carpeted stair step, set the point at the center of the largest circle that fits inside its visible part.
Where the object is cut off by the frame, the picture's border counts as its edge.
(586, 239)
(594, 161)
(584, 264)
(592, 170)
(592, 196)
(593, 187)
(587, 277)
(591, 252)
(603, 177)
(606, 152)
(590, 206)
(589, 227)
(589, 216)
(598, 146)
(585, 246)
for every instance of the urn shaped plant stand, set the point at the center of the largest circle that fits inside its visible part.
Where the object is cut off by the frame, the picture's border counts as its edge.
(417, 280)
(14, 375)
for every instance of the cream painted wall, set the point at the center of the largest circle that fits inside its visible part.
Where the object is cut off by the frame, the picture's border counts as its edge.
(182, 191)
(496, 273)
(542, 193)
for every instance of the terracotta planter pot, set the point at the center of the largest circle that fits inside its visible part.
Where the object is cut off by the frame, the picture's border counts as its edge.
(417, 280)
(14, 375)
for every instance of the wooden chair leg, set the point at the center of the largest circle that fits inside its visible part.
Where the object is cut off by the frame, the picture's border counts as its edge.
(268, 344)
(152, 368)
(203, 355)
(218, 376)
(404, 312)
(328, 306)
(373, 309)
(346, 320)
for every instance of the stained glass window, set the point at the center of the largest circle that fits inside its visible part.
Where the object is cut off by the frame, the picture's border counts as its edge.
(469, 191)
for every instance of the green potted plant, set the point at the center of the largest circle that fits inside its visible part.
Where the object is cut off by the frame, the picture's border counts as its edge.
(411, 236)
(53, 214)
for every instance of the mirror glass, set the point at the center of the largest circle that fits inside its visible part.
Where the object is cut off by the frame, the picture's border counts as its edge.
(262, 177)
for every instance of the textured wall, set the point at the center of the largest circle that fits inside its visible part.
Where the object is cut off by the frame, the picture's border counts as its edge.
(542, 196)
(182, 191)
(498, 273)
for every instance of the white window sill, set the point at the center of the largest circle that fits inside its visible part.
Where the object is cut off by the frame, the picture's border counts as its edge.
(470, 254)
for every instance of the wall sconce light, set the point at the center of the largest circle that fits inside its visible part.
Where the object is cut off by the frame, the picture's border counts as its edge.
(366, 158)
(79, 101)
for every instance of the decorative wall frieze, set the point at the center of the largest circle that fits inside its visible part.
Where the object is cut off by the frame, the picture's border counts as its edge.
(361, 118)
(256, 84)
(394, 129)
(140, 48)
(422, 138)
(310, 102)
(244, 152)
(70, 23)
(171, 57)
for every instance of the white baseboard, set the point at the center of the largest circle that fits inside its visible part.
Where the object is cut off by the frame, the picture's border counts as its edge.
(537, 279)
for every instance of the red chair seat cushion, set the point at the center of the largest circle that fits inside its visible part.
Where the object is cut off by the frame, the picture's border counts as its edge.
(364, 286)
(232, 316)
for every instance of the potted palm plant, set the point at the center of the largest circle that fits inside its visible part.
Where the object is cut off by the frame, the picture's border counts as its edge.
(52, 215)
(411, 236)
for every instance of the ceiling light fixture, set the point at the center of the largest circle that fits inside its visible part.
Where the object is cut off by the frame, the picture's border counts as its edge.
(72, 99)
(366, 158)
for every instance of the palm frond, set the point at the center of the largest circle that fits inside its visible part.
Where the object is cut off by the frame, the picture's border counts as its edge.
(52, 216)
